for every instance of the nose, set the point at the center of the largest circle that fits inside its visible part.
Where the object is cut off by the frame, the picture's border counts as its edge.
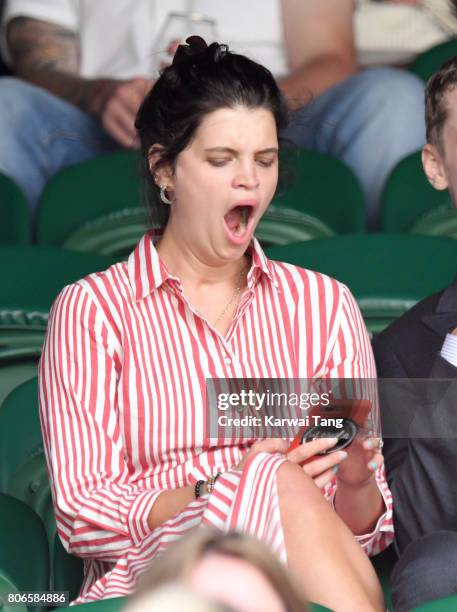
(246, 176)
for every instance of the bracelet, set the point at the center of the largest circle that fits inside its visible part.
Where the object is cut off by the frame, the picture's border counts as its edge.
(211, 482)
(198, 486)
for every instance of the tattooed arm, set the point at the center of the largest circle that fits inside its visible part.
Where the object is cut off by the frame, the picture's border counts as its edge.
(47, 55)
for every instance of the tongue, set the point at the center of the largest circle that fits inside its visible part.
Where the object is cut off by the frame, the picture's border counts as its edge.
(233, 218)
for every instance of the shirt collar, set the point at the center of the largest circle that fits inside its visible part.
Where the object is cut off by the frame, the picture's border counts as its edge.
(147, 271)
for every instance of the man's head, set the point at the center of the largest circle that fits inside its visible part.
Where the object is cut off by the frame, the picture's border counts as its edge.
(439, 155)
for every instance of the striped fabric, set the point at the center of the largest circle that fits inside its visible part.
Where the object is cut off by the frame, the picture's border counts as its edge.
(122, 404)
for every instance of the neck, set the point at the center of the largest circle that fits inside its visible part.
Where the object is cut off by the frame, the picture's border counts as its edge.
(186, 264)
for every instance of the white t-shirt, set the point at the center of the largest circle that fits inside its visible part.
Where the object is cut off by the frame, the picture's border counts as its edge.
(389, 33)
(118, 38)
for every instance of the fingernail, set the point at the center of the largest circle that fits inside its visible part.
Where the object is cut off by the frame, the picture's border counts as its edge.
(373, 465)
(332, 441)
(343, 455)
(335, 468)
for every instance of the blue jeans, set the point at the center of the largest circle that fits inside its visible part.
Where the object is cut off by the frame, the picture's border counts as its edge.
(40, 134)
(370, 121)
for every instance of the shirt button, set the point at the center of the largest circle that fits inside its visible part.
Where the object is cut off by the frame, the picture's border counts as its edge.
(227, 360)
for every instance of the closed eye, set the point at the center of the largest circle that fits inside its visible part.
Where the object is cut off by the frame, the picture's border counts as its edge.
(218, 162)
(266, 163)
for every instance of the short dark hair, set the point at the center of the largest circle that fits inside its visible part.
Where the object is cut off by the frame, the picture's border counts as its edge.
(201, 79)
(436, 107)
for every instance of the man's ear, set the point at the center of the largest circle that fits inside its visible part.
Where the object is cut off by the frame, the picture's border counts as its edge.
(432, 161)
(162, 173)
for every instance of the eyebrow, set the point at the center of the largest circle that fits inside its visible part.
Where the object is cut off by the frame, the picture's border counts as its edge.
(233, 152)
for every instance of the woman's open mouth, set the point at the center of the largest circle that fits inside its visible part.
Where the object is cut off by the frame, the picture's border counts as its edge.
(238, 222)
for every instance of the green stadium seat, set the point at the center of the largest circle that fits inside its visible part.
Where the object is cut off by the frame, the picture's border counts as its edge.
(447, 604)
(67, 571)
(116, 604)
(24, 555)
(113, 604)
(23, 473)
(429, 61)
(20, 431)
(104, 212)
(88, 191)
(322, 187)
(32, 276)
(411, 204)
(15, 370)
(387, 273)
(15, 226)
(7, 589)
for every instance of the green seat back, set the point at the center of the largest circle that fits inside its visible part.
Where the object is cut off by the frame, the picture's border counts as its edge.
(116, 234)
(87, 191)
(104, 212)
(409, 202)
(67, 571)
(116, 604)
(32, 276)
(20, 431)
(441, 221)
(429, 61)
(24, 554)
(15, 370)
(8, 589)
(23, 472)
(386, 273)
(113, 604)
(447, 604)
(322, 187)
(14, 213)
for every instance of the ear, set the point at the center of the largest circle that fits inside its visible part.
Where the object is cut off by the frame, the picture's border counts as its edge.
(162, 173)
(432, 161)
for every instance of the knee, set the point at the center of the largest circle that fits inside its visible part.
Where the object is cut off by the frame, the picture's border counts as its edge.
(12, 87)
(392, 88)
(16, 96)
(426, 570)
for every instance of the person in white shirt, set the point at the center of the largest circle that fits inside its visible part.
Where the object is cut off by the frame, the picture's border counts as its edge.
(422, 344)
(84, 67)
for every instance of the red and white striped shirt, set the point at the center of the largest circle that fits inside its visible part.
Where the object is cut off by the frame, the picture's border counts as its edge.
(122, 387)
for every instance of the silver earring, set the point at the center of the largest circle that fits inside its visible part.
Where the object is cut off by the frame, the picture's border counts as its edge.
(163, 196)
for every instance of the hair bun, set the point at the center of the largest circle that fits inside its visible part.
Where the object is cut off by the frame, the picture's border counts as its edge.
(195, 45)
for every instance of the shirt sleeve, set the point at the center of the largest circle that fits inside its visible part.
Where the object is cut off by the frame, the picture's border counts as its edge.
(449, 349)
(352, 357)
(101, 509)
(60, 12)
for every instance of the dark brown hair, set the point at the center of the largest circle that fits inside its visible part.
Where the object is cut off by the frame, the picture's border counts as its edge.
(436, 106)
(199, 81)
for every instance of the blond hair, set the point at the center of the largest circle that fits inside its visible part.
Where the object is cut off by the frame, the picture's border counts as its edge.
(182, 556)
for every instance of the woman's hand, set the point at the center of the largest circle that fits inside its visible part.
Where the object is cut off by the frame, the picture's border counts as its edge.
(364, 458)
(322, 469)
(272, 445)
